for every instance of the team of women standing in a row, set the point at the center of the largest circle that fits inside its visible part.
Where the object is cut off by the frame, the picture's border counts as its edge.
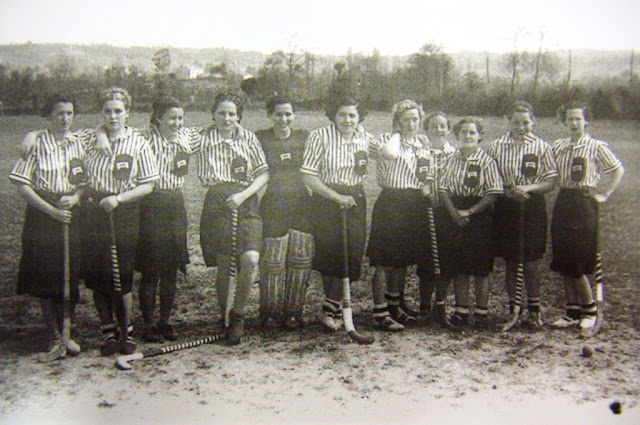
(119, 186)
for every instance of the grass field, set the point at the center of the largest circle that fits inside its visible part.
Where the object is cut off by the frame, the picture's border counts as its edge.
(294, 376)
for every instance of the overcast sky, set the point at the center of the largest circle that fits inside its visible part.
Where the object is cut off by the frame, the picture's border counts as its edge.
(327, 26)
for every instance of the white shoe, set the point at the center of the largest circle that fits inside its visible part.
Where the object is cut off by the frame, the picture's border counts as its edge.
(565, 322)
(73, 348)
(327, 321)
(588, 322)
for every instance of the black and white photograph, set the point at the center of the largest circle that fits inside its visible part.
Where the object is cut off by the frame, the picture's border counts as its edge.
(319, 212)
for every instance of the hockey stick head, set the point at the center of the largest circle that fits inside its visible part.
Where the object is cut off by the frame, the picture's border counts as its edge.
(361, 339)
(122, 362)
(512, 322)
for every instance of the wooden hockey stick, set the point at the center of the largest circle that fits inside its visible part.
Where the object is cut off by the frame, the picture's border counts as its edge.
(233, 267)
(517, 302)
(590, 332)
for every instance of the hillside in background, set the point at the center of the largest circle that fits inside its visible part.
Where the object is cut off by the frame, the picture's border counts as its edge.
(585, 63)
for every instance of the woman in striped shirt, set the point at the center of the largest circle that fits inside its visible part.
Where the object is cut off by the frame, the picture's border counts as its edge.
(581, 161)
(232, 165)
(468, 190)
(287, 250)
(438, 127)
(334, 166)
(405, 172)
(116, 183)
(49, 179)
(528, 171)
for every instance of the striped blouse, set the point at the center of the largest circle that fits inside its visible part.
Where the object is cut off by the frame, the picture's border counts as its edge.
(131, 164)
(476, 175)
(525, 163)
(335, 161)
(441, 163)
(581, 163)
(173, 155)
(54, 166)
(410, 170)
(237, 160)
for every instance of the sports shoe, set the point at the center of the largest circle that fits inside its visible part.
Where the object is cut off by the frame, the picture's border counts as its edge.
(109, 345)
(588, 321)
(128, 346)
(387, 324)
(565, 322)
(328, 321)
(168, 332)
(152, 334)
(236, 328)
(439, 313)
(73, 349)
(401, 316)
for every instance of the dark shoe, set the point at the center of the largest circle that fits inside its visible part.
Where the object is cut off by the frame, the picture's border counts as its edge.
(236, 328)
(401, 316)
(269, 324)
(439, 314)
(387, 324)
(168, 332)
(152, 334)
(109, 345)
(128, 346)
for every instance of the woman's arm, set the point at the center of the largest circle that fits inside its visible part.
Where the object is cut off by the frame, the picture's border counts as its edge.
(612, 184)
(237, 199)
(318, 186)
(484, 203)
(28, 194)
(29, 142)
(111, 202)
(391, 148)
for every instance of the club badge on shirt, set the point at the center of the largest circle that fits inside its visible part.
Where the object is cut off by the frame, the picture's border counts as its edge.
(422, 169)
(472, 175)
(239, 168)
(529, 167)
(77, 174)
(180, 164)
(122, 167)
(361, 159)
(578, 169)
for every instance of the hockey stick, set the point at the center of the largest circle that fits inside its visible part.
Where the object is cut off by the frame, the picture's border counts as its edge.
(122, 362)
(117, 284)
(233, 268)
(66, 292)
(590, 332)
(434, 243)
(347, 314)
(517, 302)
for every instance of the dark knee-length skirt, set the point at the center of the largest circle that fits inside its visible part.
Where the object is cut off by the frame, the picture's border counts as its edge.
(215, 224)
(506, 228)
(574, 233)
(41, 272)
(328, 233)
(446, 230)
(99, 262)
(285, 207)
(473, 251)
(162, 246)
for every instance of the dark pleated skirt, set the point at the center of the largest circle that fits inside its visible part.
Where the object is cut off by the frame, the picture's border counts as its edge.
(473, 252)
(283, 208)
(162, 245)
(506, 228)
(446, 230)
(574, 233)
(41, 272)
(328, 233)
(215, 224)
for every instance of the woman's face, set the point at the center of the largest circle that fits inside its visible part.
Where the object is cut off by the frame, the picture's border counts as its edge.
(468, 136)
(282, 116)
(172, 121)
(575, 122)
(114, 114)
(347, 119)
(520, 124)
(61, 117)
(409, 123)
(226, 116)
(438, 128)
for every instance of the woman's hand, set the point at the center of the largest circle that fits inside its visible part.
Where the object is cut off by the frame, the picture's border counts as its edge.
(517, 194)
(109, 203)
(68, 201)
(103, 145)
(63, 216)
(234, 201)
(345, 201)
(600, 197)
(426, 190)
(461, 217)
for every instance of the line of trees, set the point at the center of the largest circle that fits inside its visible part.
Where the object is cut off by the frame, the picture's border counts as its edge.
(428, 76)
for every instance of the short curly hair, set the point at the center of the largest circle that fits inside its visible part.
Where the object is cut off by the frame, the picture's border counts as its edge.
(404, 106)
(521, 106)
(160, 107)
(229, 97)
(52, 100)
(469, 120)
(278, 99)
(431, 115)
(573, 104)
(334, 103)
(116, 93)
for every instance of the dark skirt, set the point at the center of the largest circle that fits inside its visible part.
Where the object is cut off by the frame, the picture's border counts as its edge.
(327, 232)
(215, 224)
(162, 245)
(473, 243)
(396, 228)
(574, 233)
(505, 221)
(97, 243)
(446, 230)
(284, 208)
(41, 272)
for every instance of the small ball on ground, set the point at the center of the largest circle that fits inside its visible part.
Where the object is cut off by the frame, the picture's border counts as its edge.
(587, 351)
(616, 408)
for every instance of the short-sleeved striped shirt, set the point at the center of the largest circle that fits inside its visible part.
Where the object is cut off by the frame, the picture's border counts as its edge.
(581, 163)
(441, 162)
(530, 162)
(53, 166)
(335, 161)
(132, 163)
(237, 160)
(413, 168)
(477, 175)
(173, 155)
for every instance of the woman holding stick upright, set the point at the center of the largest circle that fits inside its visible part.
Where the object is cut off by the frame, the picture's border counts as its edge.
(232, 165)
(438, 127)
(468, 190)
(50, 178)
(528, 171)
(405, 172)
(116, 184)
(287, 250)
(334, 167)
(581, 161)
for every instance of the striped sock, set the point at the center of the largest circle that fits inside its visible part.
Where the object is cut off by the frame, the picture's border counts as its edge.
(380, 311)
(481, 311)
(589, 309)
(533, 304)
(573, 311)
(109, 331)
(331, 307)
